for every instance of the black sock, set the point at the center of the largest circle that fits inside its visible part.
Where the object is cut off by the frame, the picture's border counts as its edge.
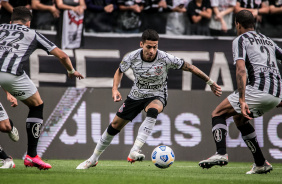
(33, 126)
(11, 123)
(3, 155)
(219, 130)
(250, 138)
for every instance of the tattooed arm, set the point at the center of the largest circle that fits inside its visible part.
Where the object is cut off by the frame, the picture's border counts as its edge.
(241, 78)
(193, 69)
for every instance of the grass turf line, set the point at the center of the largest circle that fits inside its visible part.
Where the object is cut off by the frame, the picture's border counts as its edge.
(121, 172)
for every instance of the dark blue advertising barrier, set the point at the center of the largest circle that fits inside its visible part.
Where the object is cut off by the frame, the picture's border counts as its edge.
(78, 111)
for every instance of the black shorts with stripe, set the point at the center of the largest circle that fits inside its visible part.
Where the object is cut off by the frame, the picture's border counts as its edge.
(131, 108)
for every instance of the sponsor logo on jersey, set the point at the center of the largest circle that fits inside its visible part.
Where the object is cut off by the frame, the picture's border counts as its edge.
(217, 135)
(14, 27)
(260, 41)
(146, 86)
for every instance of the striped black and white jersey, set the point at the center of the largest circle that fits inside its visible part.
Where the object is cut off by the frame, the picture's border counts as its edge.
(150, 77)
(17, 43)
(260, 54)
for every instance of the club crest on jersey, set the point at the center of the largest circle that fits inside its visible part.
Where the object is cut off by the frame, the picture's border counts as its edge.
(217, 135)
(158, 70)
(121, 107)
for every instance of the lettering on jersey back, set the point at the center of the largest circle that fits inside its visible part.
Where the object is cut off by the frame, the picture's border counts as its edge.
(260, 41)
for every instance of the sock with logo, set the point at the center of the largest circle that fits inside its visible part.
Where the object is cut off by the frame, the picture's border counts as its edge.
(250, 138)
(34, 122)
(104, 142)
(145, 129)
(219, 131)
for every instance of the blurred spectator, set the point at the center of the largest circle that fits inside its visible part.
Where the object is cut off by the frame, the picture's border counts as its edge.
(199, 13)
(155, 15)
(101, 15)
(8, 6)
(221, 20)
(45, 14)
(257, 7)
(129, 20)
(273, 24)
(177, 21)
(70, 26)
(78, 6)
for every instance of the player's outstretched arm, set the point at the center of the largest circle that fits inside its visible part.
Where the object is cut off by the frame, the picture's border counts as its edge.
(216, 89)
(11, 99)
(117, 79)
(66, 62)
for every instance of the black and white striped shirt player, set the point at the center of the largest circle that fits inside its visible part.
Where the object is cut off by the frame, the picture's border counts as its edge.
(150, 77)
(260, 54)
(17, 42)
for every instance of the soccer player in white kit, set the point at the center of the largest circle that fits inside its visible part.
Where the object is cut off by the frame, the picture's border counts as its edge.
(6, 126)
(149, 92)
(257, 94)
(18, 42)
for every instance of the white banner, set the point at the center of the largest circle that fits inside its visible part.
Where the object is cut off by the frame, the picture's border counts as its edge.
(72, 29)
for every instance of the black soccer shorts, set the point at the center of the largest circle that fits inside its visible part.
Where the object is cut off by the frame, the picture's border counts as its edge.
(131, 108)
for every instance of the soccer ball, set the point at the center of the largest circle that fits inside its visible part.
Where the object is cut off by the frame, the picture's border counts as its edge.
(163, 157)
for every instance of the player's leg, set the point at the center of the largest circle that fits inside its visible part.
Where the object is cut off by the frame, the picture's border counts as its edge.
(6, 125)
(7, 161)
(259, 103)
(219, 130)
(152, 110)
(249, 136)
(34, 123)
(105, 140)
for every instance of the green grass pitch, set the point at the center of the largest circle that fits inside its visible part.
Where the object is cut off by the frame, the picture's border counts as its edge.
(122, 172)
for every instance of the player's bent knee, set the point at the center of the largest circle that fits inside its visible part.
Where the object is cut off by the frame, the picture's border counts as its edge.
(153, 113)
(36, 111)
(5, 126)
(112, 131)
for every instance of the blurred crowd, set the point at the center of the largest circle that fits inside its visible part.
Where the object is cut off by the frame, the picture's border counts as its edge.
(173, 17)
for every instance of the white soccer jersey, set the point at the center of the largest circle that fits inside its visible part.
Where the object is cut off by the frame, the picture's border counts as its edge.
(17, 42)
(150, 77)
(260, 54)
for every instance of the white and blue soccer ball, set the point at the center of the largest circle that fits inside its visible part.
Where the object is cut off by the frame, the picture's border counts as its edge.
(163, 157)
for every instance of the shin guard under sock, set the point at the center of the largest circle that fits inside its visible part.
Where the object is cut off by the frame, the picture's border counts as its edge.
(34, 122)
(250, 138)
(219, 130)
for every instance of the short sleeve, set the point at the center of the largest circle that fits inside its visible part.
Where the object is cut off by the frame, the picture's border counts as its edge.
(174, 62)
(44, 43)
(125, 63)
(238, 49)
(278, 52)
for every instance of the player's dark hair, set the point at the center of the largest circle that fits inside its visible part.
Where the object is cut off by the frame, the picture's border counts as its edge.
(245, 18)
(150, 34)
(22, 14)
